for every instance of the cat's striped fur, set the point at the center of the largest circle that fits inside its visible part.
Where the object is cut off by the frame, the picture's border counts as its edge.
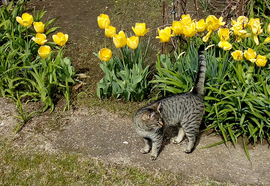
(183, 110)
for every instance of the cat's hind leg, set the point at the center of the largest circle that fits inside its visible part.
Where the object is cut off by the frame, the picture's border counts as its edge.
(179, 138)
(191, 143)
(191, 130)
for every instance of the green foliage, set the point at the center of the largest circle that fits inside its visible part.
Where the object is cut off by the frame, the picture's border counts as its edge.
(22, 70)
(238, 107)
(24, 116)
(125, 76)
(236, 93)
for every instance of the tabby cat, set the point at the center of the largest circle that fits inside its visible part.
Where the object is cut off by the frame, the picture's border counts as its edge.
(183, 110)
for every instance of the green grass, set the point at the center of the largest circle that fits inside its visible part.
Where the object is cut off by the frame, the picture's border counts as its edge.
(25, 167)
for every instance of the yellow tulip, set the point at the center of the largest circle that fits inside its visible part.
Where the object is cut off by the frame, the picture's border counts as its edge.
(250, 55)
(44, 51)
(164, 34)
(110, 31)
(105, 54)
(39, 27)
(177, 28)
(253, 22)
(120, 40)
(223, 34)
(267, 39)
(239, 32)
(261, 61)
(212, 23)
(242, 20)
(200, 25)
(255, 26)
(133, 42)
(186, 19)
(60, 39)
(237, 55)
(26, 19)
(40, 39)
(190, 29)
(205, 38)
(140, 29)
(103, 21)
(268, 30)
(225, 45)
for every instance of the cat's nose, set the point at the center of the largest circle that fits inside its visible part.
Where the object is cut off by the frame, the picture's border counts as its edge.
(161, 124)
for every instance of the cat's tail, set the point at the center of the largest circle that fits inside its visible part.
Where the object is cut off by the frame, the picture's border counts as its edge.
(199, 84)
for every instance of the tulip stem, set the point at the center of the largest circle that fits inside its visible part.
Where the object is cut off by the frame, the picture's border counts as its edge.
(122, 54)
(140, 43)
(105, 41)
(166, 49)
(250, 71)
(178, 44)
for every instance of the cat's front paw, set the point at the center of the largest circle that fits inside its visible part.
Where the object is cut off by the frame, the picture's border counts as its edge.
(145, 150)
(175, 140)
(187, 151)
(153, 157)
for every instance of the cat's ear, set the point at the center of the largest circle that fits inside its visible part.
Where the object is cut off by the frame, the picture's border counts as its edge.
(146, 116)
(156, 106)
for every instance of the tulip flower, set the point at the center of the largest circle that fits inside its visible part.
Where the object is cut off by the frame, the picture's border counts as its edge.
(110, 31)
(44, 51)
(164, 34)
(105, 54)
(255, 26)
(212, 23)
(133, 42)
(40, 39)
(223, 34)
(238, 28)
(267, 39)
(120, 40)
(239, 32)
(26, 19)
(250, 55)
(241, 20)
(177, 27)
(185, 19)
(225, 45)
(206, 38)
(60, 38)
(140, 30)
(200, 25)
(261, 61)
(268, 30)
(189, 30)
(39, 27)
(237, 55)
(103, 21)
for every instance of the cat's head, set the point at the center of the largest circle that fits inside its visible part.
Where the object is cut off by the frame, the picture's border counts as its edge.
(152, 117)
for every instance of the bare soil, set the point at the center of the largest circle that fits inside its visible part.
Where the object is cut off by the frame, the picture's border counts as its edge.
(110, 136)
